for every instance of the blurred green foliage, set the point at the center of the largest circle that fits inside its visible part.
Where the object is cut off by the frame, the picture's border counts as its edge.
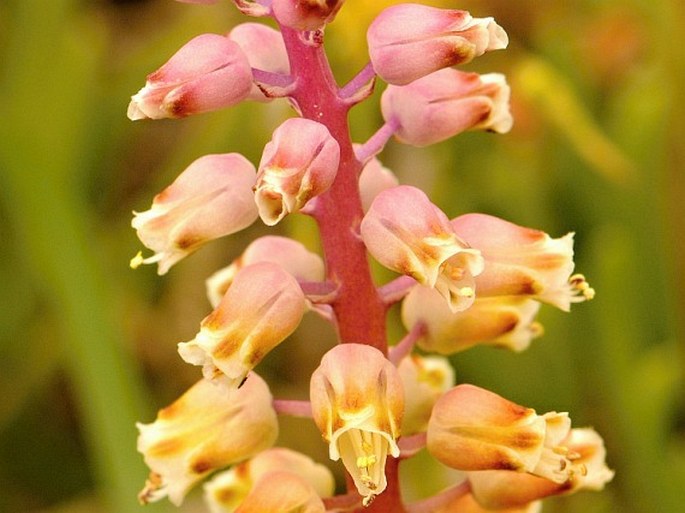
(87, 346)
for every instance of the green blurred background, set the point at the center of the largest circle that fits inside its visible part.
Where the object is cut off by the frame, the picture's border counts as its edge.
(87, 346)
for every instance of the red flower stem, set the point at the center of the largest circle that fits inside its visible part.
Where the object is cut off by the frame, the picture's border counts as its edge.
(359, 310)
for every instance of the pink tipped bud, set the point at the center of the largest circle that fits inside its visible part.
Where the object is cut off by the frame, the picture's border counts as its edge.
(208, 73)
(496, 489)
(299, 163)
(290, 254)
(210, 199)
(357, 402)
(265, 51)
(262, 308)
(228, 489)
(474, 429)
(523, 261)
(409, 41)
(374, 179)
(405, 232)
(211, 426)
(305, 14)
(497, 321)
(446, 103)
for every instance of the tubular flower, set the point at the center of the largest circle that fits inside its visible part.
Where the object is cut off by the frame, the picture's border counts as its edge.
(290, 254)
(409, 41)
(262, 308)
(299, 163)
(357, 402)
(474, 429)
(282, 492)
(264, 49)
(496, 489)
(210, 199)
(424, 380)
(211, 426)
(208, 73)
(445, 103)
(227, 489)
(405, 232)
(305, 14)
(506, 321)
(523, 261)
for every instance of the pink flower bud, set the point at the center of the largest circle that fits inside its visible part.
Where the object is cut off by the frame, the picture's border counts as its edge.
(409, 41)
(290, 254)
(446, 103)
(474, 429)
(264, 49)
(405, 232)
(506, 321)
(424, 380)
(282, 492)
(299, 163)
(228, 489)
(523, 261)
(357, 402)
(497, 489)
(374, 179)
(210, 199)
(305, 14)
(262, 308)
(208, 73)
(211, 426)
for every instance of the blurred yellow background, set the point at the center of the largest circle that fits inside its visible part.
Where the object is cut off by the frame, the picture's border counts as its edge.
(87, 346)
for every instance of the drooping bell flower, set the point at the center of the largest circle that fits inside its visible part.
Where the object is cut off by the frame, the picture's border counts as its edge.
(264, 49)
(374, 179)
(424, 379)
(290, 254)
(305, 15)
(209, 72)
(262, 308)
(357, 403)
(474, 429)
(445, 103)
(282, 492)
(299, 163)
(228, 489)
(522, 261)
(497, 489)
(503, 321)
(211, 426)
(210, 199)
(407, 233)
(409, 41)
